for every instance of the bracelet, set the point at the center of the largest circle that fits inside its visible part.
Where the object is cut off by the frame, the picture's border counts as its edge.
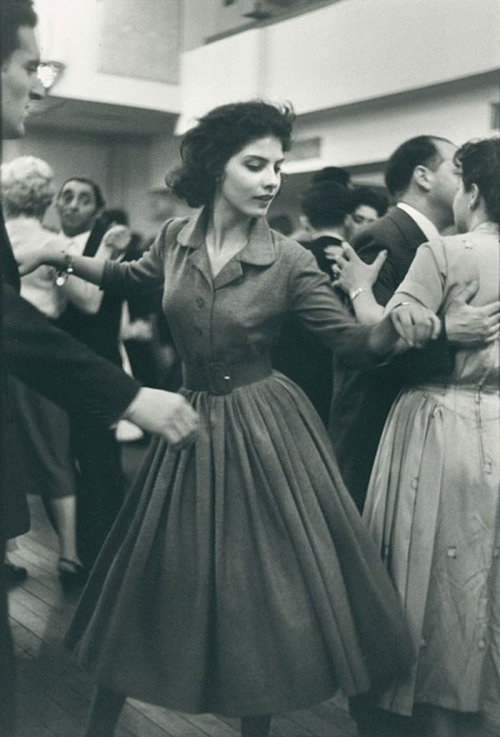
(355, 293)
(62, 274)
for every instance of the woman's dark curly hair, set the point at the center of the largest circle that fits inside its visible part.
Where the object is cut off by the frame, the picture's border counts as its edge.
(479, 161)
(219, 135)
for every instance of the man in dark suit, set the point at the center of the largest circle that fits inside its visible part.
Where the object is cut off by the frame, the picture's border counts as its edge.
(298, 353)
(44, 357)
(421, 177)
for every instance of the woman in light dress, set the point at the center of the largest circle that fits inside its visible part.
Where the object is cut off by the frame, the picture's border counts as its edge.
(40, 460)
(433, 504)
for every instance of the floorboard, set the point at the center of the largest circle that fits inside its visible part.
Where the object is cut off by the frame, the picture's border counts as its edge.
(54, 693)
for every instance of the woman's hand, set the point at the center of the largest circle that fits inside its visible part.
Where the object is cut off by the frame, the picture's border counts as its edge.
(351, 273)
(415, 324)
(28, 258)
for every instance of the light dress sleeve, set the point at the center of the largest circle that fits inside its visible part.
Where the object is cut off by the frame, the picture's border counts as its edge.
(318, 307)
(426, 278)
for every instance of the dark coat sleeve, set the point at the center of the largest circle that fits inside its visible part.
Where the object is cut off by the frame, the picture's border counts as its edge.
(59, 367)
(393, 270)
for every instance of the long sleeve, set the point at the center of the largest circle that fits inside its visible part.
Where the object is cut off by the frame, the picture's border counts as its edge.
(141, 277)
(61, 368)
(320, 310)
(425, 279)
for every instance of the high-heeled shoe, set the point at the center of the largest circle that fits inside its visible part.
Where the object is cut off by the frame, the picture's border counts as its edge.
(71, 573)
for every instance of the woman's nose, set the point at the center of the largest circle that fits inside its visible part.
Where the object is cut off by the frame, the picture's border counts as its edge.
(271, 179)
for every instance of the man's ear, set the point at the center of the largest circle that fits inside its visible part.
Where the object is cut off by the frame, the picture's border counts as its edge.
(422, 176)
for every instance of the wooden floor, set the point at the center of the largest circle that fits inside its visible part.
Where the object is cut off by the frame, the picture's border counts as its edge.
(54, 693)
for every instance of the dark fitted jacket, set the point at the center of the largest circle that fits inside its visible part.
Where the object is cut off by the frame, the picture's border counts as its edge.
(50, 361)
(362, 399)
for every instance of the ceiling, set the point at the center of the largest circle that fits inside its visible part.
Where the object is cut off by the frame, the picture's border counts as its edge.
(57, 113)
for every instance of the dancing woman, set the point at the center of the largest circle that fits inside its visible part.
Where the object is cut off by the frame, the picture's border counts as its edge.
(238, 578)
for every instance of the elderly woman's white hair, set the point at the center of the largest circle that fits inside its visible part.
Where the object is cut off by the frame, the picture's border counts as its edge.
(27, 187)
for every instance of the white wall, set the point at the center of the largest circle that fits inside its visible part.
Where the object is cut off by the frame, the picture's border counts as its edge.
(370, 132)
(69, 31)
(346, 53)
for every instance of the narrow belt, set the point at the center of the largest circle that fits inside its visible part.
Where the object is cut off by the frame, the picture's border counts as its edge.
(221, 378)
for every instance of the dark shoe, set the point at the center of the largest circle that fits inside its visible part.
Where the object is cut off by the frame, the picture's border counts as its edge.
(14, 575)
(71, 573)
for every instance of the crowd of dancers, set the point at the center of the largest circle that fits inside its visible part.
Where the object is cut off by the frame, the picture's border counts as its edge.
(318, 505)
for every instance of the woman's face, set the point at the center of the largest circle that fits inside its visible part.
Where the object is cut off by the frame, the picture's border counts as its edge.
(251, 178)
(462, 211)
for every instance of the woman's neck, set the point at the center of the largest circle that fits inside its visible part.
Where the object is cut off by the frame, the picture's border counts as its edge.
(226, 230)
(478, 217)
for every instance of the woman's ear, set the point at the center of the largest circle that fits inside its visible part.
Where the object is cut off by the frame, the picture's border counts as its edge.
(474, 196)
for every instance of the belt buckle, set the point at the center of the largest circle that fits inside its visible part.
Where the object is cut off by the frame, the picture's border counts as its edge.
(219, 379)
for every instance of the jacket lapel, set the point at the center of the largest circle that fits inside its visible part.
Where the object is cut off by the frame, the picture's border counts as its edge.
(408, 228)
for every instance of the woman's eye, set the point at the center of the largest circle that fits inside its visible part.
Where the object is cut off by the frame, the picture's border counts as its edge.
(254, 167)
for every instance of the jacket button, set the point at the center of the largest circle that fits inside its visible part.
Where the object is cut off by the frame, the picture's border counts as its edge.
(200, 302)
(198, 331)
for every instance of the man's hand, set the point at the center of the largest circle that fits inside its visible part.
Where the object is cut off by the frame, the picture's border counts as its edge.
(470, 326)
(415, 324)
(115, 241)
(164, 413)
(406, 326)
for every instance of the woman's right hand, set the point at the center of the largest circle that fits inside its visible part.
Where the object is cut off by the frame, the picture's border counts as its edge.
(29, 258)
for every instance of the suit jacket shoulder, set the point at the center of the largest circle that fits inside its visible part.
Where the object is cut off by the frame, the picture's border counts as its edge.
(399, 235)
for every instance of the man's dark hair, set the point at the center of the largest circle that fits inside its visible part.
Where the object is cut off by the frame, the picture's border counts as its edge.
(326, 204)
(332, 174)
(370, 197)
(15, 13)
(419, 151)
(98, 195)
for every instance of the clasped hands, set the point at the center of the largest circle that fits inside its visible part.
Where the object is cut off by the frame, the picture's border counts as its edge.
(466, 324)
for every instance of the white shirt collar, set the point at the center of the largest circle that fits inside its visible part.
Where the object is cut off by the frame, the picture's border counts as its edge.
(76, 244)
(426, 226)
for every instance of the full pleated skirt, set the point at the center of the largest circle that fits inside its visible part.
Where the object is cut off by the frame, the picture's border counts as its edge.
(238, 578)
(433, 512)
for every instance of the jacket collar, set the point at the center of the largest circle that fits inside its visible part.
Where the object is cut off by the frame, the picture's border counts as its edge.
(259, 249)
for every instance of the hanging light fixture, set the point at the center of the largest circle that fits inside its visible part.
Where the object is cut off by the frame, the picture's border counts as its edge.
(48, 73)
(259, 12)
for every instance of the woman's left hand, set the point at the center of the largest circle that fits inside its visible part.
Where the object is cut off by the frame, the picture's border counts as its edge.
(415, 324)
(352, 273)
